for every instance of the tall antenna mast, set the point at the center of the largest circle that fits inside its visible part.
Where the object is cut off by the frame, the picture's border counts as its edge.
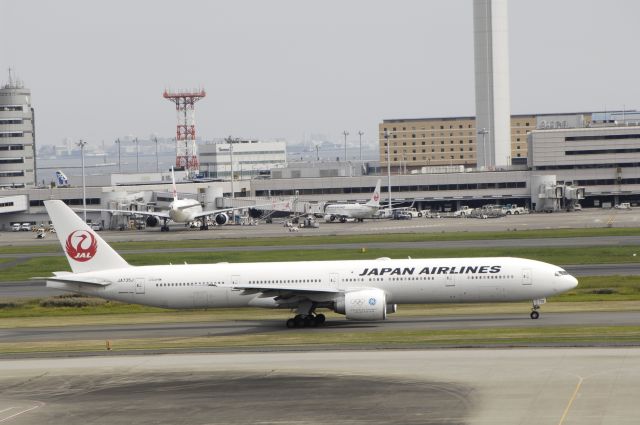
(186, 154)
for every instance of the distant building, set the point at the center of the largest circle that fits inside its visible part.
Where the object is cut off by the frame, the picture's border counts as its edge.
(17, 136)
(250, 158)
(429, 142)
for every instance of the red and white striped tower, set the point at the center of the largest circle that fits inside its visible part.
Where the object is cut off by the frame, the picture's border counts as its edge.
(186, 154)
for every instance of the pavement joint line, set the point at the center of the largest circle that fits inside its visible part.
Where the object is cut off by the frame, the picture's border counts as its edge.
(571, 400)
(40, 404)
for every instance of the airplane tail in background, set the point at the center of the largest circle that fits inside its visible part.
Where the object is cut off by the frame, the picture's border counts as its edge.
(86, 251)
(174, 190)
(375, 197)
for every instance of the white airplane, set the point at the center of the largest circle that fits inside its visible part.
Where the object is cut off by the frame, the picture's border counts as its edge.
(180, 211)
(359, 289)
(342, 212)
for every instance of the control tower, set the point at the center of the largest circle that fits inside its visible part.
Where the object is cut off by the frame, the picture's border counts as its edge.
(493, 107)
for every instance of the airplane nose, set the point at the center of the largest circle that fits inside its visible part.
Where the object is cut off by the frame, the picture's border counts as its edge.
(572, 282)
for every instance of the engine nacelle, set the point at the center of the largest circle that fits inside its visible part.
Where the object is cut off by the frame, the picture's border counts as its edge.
(329, 218)
(366, 304)
(221, 219)
(152, 221)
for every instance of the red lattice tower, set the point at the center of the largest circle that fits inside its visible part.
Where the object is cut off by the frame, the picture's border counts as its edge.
(186, 154)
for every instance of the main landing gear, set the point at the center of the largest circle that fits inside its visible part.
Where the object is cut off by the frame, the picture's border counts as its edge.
(164, 227)
(305, 316)
(535, 307)
(302, 321)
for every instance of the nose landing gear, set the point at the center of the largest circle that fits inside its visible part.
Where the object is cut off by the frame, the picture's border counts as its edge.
(535, 307)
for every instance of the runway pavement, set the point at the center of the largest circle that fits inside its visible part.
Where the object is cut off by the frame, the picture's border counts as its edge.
(473, 387)
(247, 327)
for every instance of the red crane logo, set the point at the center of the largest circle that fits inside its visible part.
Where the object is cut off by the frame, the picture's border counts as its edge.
(376, 196)
(81, 245)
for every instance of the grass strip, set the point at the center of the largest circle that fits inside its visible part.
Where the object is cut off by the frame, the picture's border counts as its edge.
(314, 339)
(337, 238)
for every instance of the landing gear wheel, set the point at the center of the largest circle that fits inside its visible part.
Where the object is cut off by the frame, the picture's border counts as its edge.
(298, 322)
(291, 323)
(320, 319)
(534, 315)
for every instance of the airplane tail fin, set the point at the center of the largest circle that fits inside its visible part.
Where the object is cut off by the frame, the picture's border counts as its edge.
(86, 251)
(375, 197)
(174, 190)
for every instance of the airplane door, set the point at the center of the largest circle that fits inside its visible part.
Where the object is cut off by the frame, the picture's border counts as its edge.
(235, 280)
(139, 285)
(333, 279)
(526, 277)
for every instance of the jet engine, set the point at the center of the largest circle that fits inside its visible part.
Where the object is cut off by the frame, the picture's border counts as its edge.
(152, 221)
(366, 304)
(329, 218)
(221, 219)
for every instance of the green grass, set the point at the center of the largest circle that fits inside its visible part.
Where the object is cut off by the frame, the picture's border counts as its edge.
(306, 239)
(44, 266)
(314, 339)
(603, 288)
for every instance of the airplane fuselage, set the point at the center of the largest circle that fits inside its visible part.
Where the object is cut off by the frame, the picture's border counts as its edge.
(458, 280)
(184, 210)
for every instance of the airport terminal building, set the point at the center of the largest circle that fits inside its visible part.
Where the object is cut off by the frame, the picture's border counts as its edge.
(593, 159)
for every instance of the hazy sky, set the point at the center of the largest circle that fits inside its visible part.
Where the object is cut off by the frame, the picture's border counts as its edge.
(291, 68)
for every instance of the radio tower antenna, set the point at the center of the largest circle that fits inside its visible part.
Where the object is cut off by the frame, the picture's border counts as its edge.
(186, 154)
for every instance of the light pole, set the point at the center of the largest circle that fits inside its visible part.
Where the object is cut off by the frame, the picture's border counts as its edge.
(484, 132)
(386, 137)
(82, 144)
(346, 133)
(118, 142)
(137, 162)
(360, 133)
(155, 139)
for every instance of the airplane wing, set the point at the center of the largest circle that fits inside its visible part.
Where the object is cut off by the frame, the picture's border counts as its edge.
(214, 212)
(160, 214)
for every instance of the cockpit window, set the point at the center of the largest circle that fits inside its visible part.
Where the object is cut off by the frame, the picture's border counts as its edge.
(561, 273)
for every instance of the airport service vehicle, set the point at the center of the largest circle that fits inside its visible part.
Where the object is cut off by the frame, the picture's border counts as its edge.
(15, 227)
(26, 227)
(180, 211)
(359, 289)
(623, 206)
(342, 212)
(515, 210)
(464, 211)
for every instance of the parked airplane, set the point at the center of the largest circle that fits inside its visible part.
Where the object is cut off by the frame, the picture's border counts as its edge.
(180, 211)
(359, 289)
(342, 212)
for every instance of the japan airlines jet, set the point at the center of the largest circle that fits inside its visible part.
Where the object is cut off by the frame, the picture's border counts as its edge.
(355, 210)
(180, 211)
(359, 289)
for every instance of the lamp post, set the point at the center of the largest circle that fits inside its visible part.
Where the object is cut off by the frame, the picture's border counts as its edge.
(118, 142)
(346, 133)
(137, 150)
(386, 137)
(82, 144)
(155, 139)
(484, 132)
(360, 133)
